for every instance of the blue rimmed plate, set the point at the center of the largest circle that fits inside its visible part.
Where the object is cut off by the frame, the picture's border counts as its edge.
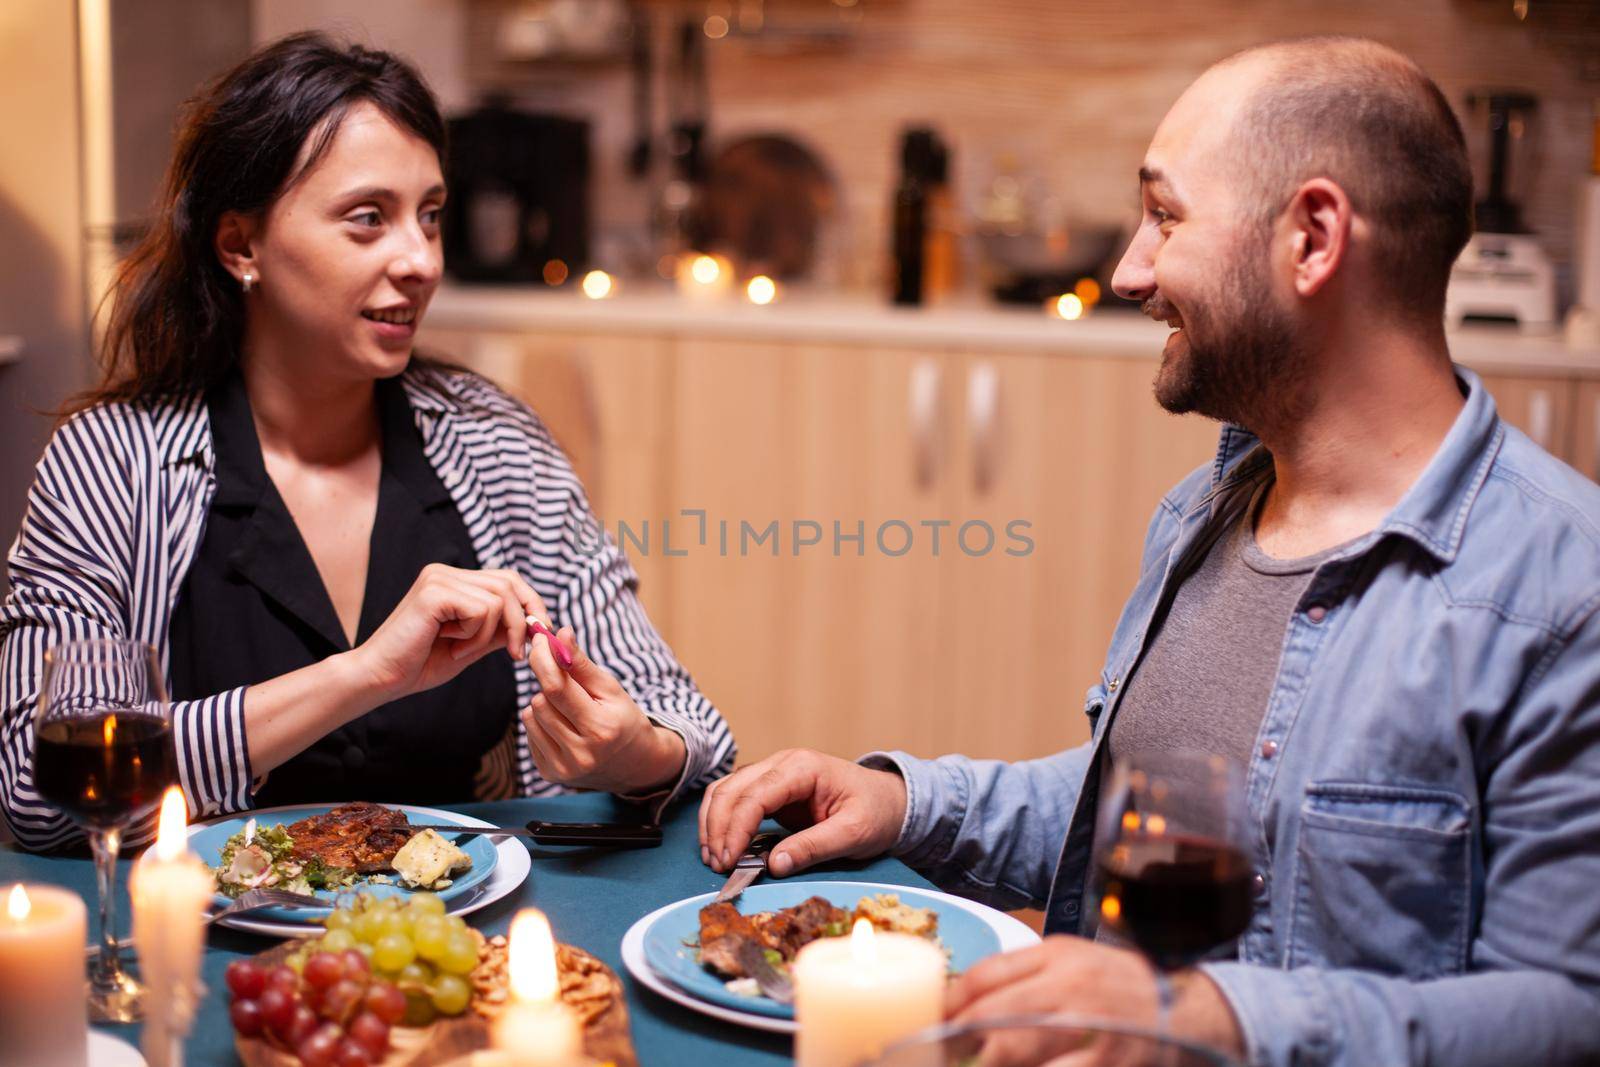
(661, 952)
(206, 841)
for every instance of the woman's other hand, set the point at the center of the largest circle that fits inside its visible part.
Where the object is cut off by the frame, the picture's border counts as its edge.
(450, 619)
(586, 731)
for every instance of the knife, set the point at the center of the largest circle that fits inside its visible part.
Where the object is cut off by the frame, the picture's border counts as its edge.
(748, 867)
(618, 835)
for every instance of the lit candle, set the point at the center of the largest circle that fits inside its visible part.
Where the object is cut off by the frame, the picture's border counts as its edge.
(44, 1016)
(761, 291)
(536, 1029)
(170, 888)
(854, 995)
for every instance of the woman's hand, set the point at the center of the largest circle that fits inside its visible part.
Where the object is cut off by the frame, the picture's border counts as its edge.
(450, 619)
(586, 731)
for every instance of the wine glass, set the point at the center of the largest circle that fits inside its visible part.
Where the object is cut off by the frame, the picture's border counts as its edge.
(1172, 859)
(103, 754)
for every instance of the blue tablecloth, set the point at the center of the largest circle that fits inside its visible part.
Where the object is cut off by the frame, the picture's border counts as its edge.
(592, 897)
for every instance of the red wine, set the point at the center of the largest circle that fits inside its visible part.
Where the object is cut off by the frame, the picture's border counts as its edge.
(107, 770)
(1175, 897)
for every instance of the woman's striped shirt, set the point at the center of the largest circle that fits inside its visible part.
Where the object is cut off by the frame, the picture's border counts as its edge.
(115, 515)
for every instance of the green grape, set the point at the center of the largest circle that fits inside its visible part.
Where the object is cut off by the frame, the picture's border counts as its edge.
(390, 922)
(460, 954)
(392, 952)
(296, 962)
(365, 949)
(426, 904)
(338, 919)
(431, 935)
(338, 940)
(415, 973)
(456, 923)
(386, 903)
(366, 926)
(451, 994)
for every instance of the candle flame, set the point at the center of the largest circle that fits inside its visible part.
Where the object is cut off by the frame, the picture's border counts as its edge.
(17, 904)
(532, 952)
(170, 836)
(863, 946)
(108, 729)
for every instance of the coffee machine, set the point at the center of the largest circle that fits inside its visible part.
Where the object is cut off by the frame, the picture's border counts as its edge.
(1503, 273)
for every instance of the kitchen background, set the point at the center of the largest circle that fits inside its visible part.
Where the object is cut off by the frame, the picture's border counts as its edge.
(874, 376)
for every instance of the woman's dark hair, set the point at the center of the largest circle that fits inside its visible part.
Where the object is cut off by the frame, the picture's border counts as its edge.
(176, 316)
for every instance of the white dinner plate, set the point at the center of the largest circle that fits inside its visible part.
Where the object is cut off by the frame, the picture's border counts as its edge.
(1012, 934)
(512, 864)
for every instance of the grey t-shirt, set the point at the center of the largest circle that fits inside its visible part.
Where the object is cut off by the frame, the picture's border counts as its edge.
(1205, 678)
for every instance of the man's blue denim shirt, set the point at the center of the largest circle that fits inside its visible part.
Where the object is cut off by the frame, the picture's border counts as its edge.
(1425, 786)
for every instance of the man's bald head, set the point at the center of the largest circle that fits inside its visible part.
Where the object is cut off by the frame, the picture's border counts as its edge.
(1367, 118)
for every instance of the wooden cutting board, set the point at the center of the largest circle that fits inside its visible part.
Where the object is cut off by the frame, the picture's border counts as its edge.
(589, 986)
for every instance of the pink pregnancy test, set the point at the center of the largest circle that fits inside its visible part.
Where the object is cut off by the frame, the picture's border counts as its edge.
(557, 646)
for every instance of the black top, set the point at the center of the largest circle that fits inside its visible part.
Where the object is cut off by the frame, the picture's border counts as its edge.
(253, 607)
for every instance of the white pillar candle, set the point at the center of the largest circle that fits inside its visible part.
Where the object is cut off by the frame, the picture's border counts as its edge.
(170, 888)
(855, 995)
(44, 1014)
(536, 1029)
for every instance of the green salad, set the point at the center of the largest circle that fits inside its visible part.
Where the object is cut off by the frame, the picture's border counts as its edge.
(257, 858)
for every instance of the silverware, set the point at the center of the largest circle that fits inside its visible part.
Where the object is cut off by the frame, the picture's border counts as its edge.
(249, 900)
(748, 867)
(772, 982)
(615, 835)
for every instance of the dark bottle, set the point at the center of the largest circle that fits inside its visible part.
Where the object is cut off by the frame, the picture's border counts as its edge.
(920, 155)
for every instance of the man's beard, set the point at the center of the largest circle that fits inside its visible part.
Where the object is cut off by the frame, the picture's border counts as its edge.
(1238, 359)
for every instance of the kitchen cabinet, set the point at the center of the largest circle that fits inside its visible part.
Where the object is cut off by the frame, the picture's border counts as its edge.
(1540, 407)
(1586, 429)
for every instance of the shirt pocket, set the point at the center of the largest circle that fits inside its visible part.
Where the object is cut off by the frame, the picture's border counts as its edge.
(1382, 880)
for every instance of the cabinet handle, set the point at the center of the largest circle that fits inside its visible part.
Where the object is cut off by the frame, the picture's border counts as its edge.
(983, 422)
(922, 403)
(1541, 417)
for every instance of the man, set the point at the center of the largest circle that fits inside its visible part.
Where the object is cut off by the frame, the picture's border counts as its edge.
(1380, 599)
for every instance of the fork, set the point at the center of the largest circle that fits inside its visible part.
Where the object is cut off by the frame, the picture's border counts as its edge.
(249, 900)
(255, 899)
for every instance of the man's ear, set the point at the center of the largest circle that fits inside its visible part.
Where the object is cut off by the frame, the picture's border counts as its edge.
(1319, 218)
(235, 244)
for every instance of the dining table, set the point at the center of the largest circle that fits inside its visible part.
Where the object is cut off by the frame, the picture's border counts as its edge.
(592, 895)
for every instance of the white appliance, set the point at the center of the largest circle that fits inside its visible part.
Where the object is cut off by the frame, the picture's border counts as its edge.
(1502, 275)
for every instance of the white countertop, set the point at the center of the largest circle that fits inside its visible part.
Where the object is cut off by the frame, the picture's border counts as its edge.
(819, 319)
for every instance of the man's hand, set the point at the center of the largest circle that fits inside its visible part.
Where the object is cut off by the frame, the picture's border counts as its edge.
(840, 808)
(1065, 974)
(586, 731)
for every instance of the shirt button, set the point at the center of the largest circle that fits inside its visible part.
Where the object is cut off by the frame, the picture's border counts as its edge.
(1316, 612)
(1114, 683)
(1258, 883)
(1269, 748)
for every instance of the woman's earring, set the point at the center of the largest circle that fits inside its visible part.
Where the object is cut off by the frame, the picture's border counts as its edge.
(248, 281)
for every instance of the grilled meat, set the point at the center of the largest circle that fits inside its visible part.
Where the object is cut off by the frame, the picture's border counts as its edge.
(359, 837)
(788, 930)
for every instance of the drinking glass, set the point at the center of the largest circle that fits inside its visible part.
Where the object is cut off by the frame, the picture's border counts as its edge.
(1171, 857)
(103, 754)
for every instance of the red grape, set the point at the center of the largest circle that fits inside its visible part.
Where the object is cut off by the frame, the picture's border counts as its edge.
(342, 999)
(323, 969)
(301, 1026)
(372, 1032)
(356, 965)
(386, 1002)
(246, 979)
(283, 977)
(277, 1008)
(318, 1049)
(352, 1054)
(246, 1016)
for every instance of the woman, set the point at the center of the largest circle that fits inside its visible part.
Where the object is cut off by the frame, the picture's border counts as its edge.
(327, 539)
